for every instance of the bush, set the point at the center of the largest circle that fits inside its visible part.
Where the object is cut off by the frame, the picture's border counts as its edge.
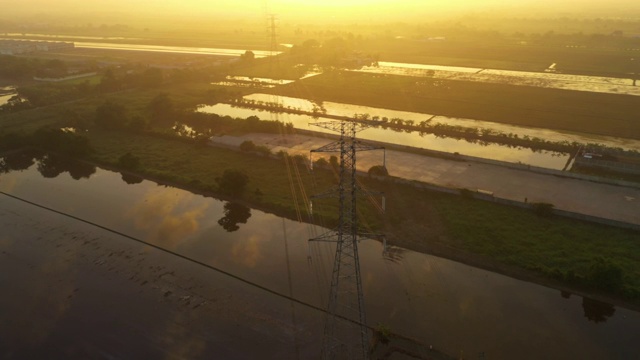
(129, 161)
(333, 161)
(605, 274)
(232, 182)
(322, 162)
(378, 170)
(263, 150)
(247, 146)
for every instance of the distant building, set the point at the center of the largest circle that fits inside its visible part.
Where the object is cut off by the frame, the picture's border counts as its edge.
(19, 47)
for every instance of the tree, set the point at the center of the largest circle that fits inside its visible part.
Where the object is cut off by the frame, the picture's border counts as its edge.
(111, 116)
(248, 56)
(333, 161)
(232, 182)
(62, 142)
(109, 82)
(161, 110)
(138, 124)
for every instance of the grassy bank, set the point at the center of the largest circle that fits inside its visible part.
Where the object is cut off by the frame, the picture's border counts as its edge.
(513, 241)
(604, 114)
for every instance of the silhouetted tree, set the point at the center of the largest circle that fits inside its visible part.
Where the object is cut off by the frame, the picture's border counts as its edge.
(232, 182)
(248, 56)
(234, 214)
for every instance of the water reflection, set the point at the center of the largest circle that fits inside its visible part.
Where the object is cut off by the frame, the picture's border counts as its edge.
(394, 254)
(48, 165)
(597, 311)
(414, 139)
(171, 49)
(598, 84)
(167, 217)
(131, 179)
(16, 162)
(594, 310)
(450, 305)
(234, 214)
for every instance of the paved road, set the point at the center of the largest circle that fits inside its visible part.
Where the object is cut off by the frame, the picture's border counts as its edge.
(580, 196)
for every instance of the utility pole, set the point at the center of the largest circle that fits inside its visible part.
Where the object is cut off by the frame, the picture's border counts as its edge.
(345, 333)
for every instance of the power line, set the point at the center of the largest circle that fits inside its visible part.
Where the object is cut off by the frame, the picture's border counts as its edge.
(223, 272)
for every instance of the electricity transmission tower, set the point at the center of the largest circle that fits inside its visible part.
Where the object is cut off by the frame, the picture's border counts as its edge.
(273, 39)
(345, 332)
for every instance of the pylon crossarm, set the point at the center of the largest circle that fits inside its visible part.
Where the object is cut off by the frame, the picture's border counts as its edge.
(339, 126)
(333, 147)
(362, 192)
(330, 236)
(360, 146)
(370, 236)
(327, 194)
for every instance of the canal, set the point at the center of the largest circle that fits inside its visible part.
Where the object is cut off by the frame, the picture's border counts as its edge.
(451, 306)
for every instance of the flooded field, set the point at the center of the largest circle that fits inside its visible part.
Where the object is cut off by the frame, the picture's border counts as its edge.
(549, 160)
(429, 141)
(6, 93)
(456, 308)
(171, 49)
(539, 79)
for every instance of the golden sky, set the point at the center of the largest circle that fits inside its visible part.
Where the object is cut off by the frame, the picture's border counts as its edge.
(312, 9)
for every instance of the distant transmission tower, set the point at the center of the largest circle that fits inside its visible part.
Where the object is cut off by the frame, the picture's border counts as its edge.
(345, 332)
(273, 39)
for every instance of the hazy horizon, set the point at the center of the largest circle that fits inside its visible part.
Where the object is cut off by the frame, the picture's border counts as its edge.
(309, 11)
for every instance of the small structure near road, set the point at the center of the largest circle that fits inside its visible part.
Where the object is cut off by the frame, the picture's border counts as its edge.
(19, 47)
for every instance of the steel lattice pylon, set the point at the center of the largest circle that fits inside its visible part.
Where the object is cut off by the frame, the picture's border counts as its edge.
(345, 333)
